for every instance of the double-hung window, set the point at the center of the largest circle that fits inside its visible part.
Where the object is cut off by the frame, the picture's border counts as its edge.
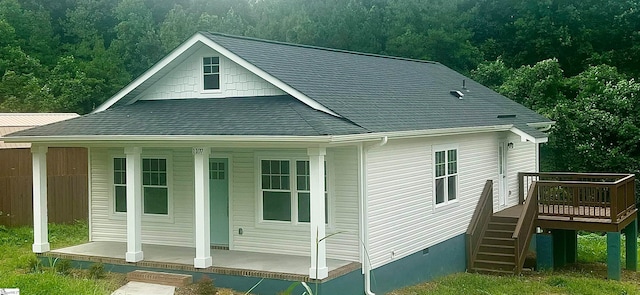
(155, 189)
(211, 73)
(285, 191)
(446, 175)
(120, 184)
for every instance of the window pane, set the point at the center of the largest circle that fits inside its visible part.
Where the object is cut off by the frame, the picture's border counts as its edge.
(121, 198)
(304, 214)
(439, 190)
(156, 200)
(275, 182)
(211, 81)
(452, 183)
(146, 164)
(215, 60)
(453, 155)
(146, 178)
(206, 60)
(301, 183)
(266, 167)
(285, 182)
(275, 167)
(207, 69)
(265, 182)
(163, 179)
(440, 170)
(276, 206)
(439, 157)
(215, 69)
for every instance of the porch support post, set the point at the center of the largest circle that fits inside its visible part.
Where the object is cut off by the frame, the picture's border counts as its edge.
(631, 244)
(614, 266)
(318, 269)
(40, 216)
(571, 238)
(134, 204)
(202, 216)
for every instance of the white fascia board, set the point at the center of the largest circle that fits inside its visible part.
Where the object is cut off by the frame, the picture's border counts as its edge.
(149, 73)
(266, 76)
(526, 137)
(418, 133)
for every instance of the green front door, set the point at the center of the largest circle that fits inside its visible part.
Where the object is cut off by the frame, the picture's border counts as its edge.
(219, 204)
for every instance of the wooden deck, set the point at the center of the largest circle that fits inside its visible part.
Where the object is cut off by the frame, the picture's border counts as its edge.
(581, 219)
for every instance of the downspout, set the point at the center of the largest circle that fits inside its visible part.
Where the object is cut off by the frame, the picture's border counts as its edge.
(364, 216)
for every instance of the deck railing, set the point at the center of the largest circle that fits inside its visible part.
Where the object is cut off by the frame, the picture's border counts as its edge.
(479, 222)
(582, 195)
(525, 226)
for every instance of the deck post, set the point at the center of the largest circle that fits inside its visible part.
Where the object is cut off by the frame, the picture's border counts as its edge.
(318, 269)
(614, 267)
(202, 212)
(544, 252)
(571, 240)
(40, 215)
(559, 248)
(631, 245)
(134, 204)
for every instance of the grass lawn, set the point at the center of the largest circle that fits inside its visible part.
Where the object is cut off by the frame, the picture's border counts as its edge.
(589, 276)
(18, 270)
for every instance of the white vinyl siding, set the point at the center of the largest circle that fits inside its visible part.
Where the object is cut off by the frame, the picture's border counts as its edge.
(179, 231)
(522, 158)
(294, 239)
(186, 80)
(174, 231)
(402, 217)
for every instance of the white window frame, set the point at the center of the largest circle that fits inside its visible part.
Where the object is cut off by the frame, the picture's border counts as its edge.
(201, 74)
(445, 149)
(169, 217)
(292, 158)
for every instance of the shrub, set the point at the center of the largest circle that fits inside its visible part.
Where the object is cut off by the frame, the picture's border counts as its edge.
(63, 266)
(205, 286)
(33, 264)
(96, 271)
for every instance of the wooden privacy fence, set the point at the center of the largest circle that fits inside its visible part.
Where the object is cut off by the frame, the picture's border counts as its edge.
(67, 186)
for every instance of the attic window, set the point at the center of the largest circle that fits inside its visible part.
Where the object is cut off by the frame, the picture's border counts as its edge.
(211, 73)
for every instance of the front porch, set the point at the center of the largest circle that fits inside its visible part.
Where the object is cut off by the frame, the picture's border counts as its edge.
(224, 262)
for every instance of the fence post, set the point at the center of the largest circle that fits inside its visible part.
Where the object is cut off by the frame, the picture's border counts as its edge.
(613, 194)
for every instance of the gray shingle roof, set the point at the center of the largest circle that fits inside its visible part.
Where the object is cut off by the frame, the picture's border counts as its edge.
(379, 93)
(371, 93)
(212, 116)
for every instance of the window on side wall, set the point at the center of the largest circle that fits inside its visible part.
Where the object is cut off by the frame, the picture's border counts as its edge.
(120, 184)
(285, 191)
(446, 175)
(211, 73)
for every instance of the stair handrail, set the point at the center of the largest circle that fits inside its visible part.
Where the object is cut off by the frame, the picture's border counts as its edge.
(479, 221)
(525, 226)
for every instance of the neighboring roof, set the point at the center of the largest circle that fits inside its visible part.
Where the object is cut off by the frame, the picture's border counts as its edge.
(210, 116)
(13, 122)
(373, 93)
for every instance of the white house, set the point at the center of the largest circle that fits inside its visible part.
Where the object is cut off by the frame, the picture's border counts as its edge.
(260, 147)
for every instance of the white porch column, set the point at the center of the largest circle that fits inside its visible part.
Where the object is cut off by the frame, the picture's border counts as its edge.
(40, 217)
(134, 204)
(318, 269)
(203, 224)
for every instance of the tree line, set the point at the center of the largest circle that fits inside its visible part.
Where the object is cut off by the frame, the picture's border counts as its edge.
(576, 62)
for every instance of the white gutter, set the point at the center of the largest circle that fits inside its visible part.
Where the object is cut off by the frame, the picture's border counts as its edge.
(417, 133)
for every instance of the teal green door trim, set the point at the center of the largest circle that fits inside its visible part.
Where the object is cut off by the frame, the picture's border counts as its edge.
(219, 200)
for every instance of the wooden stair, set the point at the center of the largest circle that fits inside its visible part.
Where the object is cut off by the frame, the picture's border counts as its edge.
(496, 253)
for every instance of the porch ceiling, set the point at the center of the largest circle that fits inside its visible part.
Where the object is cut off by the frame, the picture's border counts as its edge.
(231, 261)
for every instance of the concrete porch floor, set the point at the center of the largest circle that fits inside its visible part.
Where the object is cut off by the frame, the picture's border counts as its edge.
(225, 259)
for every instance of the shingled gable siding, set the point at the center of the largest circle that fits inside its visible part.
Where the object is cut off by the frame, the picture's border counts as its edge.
(402, 216)
(106, 226)
(261, 238)
(184, 81)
